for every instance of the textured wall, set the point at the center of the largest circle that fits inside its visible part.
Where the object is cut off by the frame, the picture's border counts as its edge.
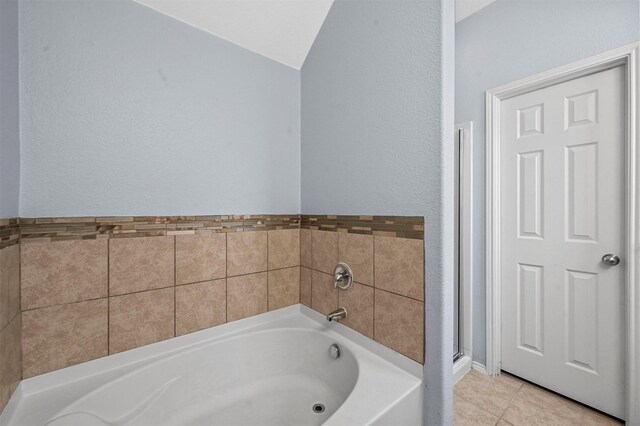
(366, 112)
(125, 111)
(509, 40)
(377, 92)
(9, 107)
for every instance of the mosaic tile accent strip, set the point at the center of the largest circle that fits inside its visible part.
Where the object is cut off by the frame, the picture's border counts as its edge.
(387, 226)
(9, 232)
(74, 228)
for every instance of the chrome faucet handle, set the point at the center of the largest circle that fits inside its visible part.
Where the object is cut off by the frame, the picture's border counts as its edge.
(342, 276)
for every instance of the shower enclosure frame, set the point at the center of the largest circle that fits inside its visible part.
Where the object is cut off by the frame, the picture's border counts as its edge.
(462, 361)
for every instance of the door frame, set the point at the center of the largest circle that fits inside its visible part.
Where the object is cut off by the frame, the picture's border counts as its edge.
(628, 57)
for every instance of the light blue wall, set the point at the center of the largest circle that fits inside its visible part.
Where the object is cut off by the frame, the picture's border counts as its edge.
(509, 40)
(366, 110)
(125, 111)
(9, 110)
(377, 93)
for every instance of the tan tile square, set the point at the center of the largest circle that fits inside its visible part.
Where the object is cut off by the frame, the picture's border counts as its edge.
(493, 394)
(536, 406)
(9, 284)
(140, 263)
(63, 272)
(324, 250)
(201, 257)
(399, 266)
(64, 335)
(140, 319)
(358, 301)
(284, 248)
(468, 414)
(10, 360)
(357, 251)
(284, 288)
(305, 248)
(246, 252)
(399, 324)
(201, 305)
(593, 418)
(324, 298)
(305, 286)
(246, 296)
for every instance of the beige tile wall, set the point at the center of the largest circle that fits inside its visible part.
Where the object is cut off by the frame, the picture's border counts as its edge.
(386, 301)
(10, 328)
(85, 299)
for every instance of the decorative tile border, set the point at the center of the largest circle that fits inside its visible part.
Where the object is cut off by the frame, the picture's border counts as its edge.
(388, 226)
(74, 228)
(9, 232)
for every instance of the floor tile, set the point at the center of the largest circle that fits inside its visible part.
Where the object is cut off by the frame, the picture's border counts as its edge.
(593, 418)
(493, 394)
(465, 413)
(529, 405)
(536, 406)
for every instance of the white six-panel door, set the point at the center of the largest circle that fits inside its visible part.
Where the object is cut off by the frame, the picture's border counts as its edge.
(562, 209)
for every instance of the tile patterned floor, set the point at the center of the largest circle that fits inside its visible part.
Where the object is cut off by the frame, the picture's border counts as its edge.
(506, 400)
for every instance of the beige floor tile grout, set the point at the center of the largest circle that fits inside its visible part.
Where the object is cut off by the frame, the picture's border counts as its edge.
(522, 385)
(515, 394)
(476, 405)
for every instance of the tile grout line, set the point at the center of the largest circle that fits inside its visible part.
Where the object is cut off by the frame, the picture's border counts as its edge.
(20, 301)
(513, 398)
(300, 265)
(373, 265)
(175, 286)
(338, 256)
(480, 407)
(268, 271)
(311, 267)
(108, 297)
(226, 279)
(376, 288)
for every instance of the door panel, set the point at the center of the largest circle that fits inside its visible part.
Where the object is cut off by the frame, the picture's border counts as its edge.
(530, 312)
(530, 209)
(562, 204)
(582, 325)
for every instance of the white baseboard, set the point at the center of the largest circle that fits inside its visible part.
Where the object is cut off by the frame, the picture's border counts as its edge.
(479, 367)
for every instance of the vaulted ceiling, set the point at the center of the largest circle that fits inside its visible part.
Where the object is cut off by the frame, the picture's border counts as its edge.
(283, 30)
(466, 8)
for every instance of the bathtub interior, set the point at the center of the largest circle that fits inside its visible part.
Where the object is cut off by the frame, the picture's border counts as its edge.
(272, 371)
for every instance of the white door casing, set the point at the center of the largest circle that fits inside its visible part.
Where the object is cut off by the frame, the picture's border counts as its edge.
(562, 204)
(627, 57)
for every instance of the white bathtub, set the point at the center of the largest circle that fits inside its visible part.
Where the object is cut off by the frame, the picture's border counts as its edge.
(266, 370)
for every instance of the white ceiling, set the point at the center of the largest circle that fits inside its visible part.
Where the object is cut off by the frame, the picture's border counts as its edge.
(464, 8)
(283, 30)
